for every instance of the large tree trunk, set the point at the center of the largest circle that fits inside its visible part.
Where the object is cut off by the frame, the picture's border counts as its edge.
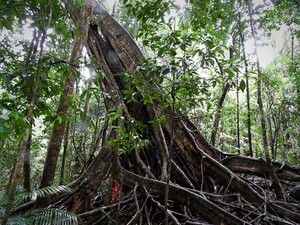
(197, 162)
(137, 181)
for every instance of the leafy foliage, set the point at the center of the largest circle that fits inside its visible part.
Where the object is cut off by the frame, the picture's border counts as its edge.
(284, 12)
(190, 56)
(40, 216)
(42, 192)
(44, 217)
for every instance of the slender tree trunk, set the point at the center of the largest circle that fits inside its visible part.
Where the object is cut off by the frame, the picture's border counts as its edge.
(63, 106)
(26, 166)
(225, 90)
(25, 142)
(275, 136)
(274, 178)
(83, 129)
(270, 118)
(238, 116)
(218, 114)
(63, 160)
(248, 109)
(292, 41)
(238, 142)
(58, 127)
(293, 62)
(247, 85)
(29, 60)
(271, 136)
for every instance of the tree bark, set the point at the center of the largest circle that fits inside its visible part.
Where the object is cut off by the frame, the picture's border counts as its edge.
(26, 165)
(63, 106)
(63, 160)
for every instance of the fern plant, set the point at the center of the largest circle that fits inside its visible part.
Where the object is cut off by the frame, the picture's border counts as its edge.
(47, 216)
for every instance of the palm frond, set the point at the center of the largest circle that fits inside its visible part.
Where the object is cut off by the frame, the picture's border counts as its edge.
(16, 220)
(52, 190)
(43, 192)
(52, 217)
(47, 216)
(44, 217)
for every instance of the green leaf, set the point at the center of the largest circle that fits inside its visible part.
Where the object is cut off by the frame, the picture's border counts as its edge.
(59, 119)
(160, 52)
(160, 80)
(165, 70)
(242, 85)
(230, 72)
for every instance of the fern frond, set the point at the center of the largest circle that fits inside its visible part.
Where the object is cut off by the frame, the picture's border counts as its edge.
(52, 190)
(21, 198)
(44, 217)
(53, 217)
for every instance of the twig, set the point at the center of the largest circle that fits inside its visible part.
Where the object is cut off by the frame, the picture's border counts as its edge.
(183, 175)
(143, 165)
(6, 49)
(137, 206)
(202, 173)
(100, 209)
(168, 211)
(147, 215)
(227, 187)
(162, 207)
(139, 210)
(65, 62)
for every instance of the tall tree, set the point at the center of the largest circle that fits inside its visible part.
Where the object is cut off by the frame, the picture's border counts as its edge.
(23, 158)
(63, 106)
(190, 144)
(242, 41)
(153, 163)
(275, 180)
(26, 141)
